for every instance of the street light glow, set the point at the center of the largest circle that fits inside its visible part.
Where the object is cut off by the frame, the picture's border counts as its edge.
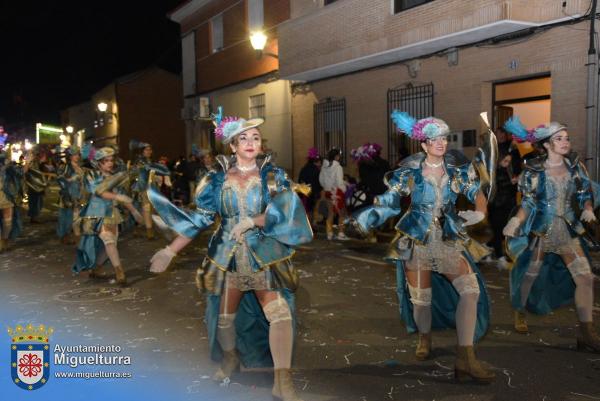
(102, 107)
(69, 129)
(258, 40)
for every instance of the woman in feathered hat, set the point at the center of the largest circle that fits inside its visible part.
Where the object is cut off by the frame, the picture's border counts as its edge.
(140, 179)
(70, 196)
(438, 282)
(546, 238)
(10, 195)
(247, 274)
(100, 216)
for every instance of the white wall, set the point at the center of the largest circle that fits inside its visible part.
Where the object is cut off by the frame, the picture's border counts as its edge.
(277, 129)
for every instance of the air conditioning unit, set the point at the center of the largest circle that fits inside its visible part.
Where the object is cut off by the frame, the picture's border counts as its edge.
(203, 107)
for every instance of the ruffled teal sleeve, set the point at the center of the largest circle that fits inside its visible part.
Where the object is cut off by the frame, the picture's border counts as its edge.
(188, 223)
(388, 204)
(585, 191)
(468, 181)
(285, 216)
(528, 183)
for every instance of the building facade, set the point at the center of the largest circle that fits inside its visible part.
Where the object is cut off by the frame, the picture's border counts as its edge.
(220, 68)
(144, 106)
(353, 62)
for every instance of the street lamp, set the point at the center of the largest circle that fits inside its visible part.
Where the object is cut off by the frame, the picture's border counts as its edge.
(69, 129)
(102, 107)
(258, 40)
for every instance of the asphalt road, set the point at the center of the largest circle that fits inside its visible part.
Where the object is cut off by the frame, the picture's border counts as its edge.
(350, 343)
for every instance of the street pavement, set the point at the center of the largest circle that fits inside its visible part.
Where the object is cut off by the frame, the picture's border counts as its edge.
(350, 342)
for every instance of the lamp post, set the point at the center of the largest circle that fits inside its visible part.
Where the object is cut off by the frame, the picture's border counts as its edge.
(258, 40)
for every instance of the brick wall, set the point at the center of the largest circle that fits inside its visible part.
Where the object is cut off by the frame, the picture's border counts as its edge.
(237, 61)
(461, 92)
(149, 110)
(350, 29)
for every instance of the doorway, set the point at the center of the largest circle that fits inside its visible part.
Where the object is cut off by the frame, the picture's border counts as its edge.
(529, 98)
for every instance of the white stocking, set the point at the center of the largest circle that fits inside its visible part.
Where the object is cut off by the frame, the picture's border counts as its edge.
(466, 311)
(421, 300)
(584, 290)
(279, 316)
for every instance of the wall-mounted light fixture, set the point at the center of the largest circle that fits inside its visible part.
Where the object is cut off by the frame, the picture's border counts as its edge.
(258, 40)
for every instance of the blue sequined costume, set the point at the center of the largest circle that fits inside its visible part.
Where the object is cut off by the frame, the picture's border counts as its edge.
(551, 223)
(261, 261)
(96, 212)
(430, 233)
(70, 197)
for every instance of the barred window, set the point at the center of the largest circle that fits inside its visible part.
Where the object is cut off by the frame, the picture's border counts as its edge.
(418, 102)
(330, 126)
(401, 5)
(256, 105)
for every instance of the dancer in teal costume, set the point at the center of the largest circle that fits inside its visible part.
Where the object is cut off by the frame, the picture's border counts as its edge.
(545, 238)
(438, 282)
(70, 180)
(10, 197)
(100, 217)
(247, 274)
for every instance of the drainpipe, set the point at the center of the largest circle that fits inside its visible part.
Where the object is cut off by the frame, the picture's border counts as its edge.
(591, 109)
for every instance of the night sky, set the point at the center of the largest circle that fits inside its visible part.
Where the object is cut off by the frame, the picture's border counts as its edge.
(55, 54)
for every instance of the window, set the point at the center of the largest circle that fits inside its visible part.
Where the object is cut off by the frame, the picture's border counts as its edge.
(216, 30)
(256, 15)
(188, 51)
(418, 102)
(330, 126)
(401, 5)
(256, 105)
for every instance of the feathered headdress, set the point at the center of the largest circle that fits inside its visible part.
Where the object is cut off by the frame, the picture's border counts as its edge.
(421, 130)
(88, 151)
(365, 152)
(313, 154)
(228, 128)
(134, 144)
(520, 133)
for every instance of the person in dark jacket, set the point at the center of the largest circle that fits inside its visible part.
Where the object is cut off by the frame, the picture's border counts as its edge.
(505, 200)
(371, 172)
(309, 174)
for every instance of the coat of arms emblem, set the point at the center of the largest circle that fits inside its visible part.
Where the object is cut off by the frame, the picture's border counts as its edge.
(30, 355)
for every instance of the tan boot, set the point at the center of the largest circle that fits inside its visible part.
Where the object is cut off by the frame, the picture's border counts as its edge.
(149, 233)
(98, 273)
(229, 365)
(120, 276)
(521, 322)
(283, 386)
(467, 366)
(589, 339)
(423, 347)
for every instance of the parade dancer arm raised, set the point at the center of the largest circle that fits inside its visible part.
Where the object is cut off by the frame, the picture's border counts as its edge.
(247, 273)
(546, 238)
(438, 282)
(100, 217)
